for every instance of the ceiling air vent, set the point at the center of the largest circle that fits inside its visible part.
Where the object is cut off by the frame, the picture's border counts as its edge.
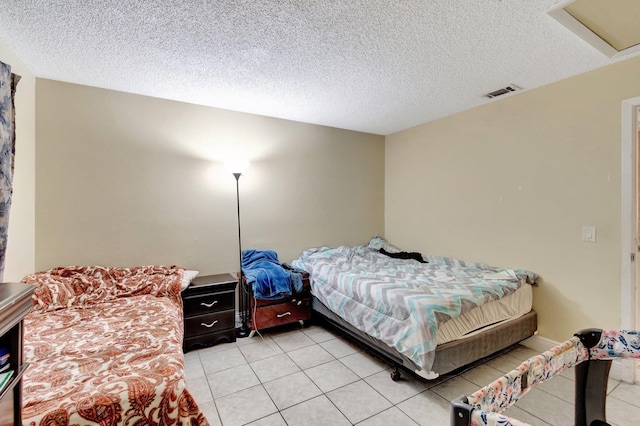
(503, 91)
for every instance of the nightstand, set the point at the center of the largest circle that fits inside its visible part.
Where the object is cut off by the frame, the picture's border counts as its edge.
(15, 303)
(271, 313)
(209, 311)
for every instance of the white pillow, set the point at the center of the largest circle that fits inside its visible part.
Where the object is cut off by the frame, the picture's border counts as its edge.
(186, 279)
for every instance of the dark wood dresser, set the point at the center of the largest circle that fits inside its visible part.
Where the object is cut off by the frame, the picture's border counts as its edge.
(271, 313)
(209, 311)
(15, 303)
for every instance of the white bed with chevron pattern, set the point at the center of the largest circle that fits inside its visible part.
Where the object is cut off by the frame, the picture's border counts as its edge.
(411, 306)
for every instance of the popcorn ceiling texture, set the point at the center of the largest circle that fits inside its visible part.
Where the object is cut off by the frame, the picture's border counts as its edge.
(376, 66)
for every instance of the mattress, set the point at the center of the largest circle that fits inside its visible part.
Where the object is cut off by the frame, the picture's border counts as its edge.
(488, 315)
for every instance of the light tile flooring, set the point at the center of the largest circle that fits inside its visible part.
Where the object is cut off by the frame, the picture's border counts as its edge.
(311, 376)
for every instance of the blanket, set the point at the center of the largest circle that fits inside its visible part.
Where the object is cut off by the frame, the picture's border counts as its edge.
(105, 348)
(402, 302)
(265, 274)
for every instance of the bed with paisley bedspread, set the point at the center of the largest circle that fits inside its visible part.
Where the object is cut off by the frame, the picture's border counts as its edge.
(105, 347)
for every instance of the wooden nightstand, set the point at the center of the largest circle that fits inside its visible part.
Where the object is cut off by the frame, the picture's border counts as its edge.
(15, 303)
(209, 311)
(271, 313)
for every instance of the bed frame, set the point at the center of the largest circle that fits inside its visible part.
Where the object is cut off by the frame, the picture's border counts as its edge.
(449, 356)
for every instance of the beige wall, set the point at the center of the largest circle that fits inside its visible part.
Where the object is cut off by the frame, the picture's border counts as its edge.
(513, 182)
(20, 258)
(127, 180)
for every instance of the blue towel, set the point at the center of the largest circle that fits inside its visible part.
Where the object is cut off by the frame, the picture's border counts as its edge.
(264, 273)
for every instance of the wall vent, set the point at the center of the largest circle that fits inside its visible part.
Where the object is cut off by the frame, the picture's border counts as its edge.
(503, 91)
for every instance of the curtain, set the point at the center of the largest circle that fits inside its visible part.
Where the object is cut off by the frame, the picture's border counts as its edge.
(8, 83)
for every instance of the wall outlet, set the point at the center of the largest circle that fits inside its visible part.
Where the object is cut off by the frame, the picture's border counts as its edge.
(589, 234)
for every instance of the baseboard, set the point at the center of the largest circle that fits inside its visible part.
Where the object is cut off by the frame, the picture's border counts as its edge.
(541, 344)
(616, 370)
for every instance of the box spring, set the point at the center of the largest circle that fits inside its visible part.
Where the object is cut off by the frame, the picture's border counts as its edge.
(449, 356)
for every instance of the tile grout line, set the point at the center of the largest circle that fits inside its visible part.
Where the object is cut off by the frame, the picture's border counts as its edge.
(360, 379)
(213, 400)
(431, 389)
(323, 393)
(261, 384)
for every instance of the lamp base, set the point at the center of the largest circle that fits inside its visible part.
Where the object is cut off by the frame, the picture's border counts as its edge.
(242, 331)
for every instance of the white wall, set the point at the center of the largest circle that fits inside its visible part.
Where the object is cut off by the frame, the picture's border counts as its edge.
(20, 257)
(512, 183)
(127, 180)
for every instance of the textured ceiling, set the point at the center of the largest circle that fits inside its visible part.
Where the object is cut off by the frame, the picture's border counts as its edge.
(376, 66)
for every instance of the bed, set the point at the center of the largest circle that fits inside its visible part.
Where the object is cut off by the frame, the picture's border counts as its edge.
(105, 347)
(430, 318)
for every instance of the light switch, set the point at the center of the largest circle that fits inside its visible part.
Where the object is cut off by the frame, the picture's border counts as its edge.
(589, 234)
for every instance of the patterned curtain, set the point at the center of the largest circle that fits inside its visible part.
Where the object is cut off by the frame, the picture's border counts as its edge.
(8, 83)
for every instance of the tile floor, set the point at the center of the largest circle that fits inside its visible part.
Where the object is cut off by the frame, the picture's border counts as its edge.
(311, 376)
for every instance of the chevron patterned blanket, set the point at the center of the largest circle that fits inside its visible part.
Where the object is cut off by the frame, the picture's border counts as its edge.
(403, 302)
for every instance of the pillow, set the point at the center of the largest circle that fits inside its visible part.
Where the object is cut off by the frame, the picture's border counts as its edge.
(186, 279)
(378, 243)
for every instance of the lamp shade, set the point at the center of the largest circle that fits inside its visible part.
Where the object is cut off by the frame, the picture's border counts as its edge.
(237, 166)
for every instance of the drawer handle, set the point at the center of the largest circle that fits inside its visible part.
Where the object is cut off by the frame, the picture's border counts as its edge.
(209, 325)
(283, 315)
(208, 305)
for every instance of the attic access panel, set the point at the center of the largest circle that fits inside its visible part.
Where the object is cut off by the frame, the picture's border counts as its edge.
(611, 26)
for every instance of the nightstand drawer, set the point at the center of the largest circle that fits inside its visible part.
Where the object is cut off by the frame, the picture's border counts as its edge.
(211, 302)
(209, 323)
(281, 313)
(204, 340)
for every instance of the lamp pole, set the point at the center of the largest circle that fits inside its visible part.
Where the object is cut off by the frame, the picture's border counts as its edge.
(243, 331)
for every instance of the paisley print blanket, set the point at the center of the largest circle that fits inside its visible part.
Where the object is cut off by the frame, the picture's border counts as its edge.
(403, 302)
(105, 348)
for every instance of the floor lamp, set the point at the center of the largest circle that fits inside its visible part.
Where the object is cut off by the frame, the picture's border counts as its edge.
(237, 168)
